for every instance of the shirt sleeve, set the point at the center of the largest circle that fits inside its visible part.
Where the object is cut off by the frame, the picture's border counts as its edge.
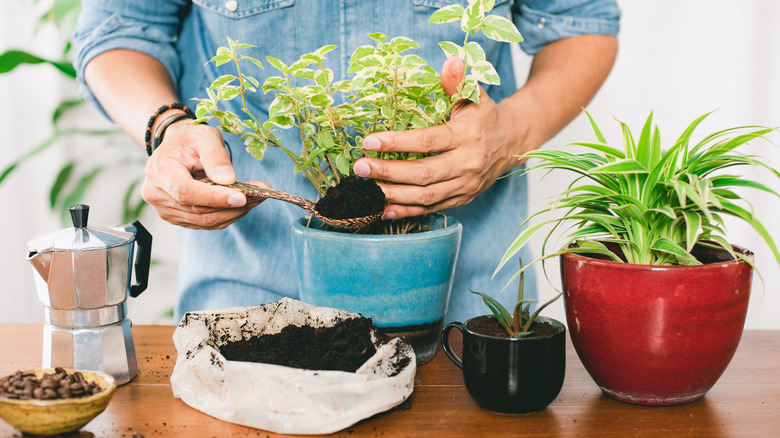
(544, 21)
(150, 27)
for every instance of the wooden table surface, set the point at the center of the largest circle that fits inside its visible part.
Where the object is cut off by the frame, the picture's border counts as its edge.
(744, 403)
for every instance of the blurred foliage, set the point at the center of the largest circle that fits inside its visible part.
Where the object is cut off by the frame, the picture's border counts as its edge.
(77, 175)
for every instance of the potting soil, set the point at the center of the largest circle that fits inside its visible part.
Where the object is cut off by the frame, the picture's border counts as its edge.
(488, 325)
(344, 347)
(353, 197)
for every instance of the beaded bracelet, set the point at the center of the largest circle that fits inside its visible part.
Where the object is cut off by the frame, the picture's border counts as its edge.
(153, 118)
(158, 138)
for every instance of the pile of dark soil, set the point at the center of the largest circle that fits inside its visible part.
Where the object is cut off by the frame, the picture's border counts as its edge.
(488, 325)
(344, 347)
(353, 197)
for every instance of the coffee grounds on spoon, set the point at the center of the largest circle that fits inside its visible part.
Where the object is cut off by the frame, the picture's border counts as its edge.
(352, 197)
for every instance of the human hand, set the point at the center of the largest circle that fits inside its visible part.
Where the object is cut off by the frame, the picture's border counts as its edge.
(470, 152)
(178, 198)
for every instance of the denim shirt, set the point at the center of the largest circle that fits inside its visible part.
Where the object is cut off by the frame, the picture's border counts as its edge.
(251, 262)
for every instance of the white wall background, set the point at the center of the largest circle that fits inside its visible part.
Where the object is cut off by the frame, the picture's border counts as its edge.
(677, 59)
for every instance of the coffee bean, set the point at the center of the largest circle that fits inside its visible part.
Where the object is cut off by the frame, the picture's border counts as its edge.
(60, 385)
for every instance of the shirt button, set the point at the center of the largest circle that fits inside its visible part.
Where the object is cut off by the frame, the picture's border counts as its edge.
(231, 5)
(540, 24)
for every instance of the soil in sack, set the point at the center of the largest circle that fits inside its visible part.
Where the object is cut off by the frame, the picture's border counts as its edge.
(344, 347)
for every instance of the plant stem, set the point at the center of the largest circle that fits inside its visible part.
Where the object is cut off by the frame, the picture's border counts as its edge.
(242, 87)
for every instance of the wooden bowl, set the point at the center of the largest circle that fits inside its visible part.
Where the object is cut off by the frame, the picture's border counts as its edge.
(52, 417)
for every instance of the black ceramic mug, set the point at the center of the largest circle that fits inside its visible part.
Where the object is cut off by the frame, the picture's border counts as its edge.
(510, 375)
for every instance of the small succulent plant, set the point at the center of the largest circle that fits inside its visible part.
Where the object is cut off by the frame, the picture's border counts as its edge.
(518, 323)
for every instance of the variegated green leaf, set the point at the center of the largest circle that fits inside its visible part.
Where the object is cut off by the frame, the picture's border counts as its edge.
(501, 29)
(621, 166)
(447, 14)
(228, 92)
(665, 210)
(322, 51)
(484, 72)
(668, 246)
(361, 52)
(322, 100)
(222, 80)
(473, 17)
(377, 36)
(277, 64)
(273, 83)
(452, 49)
(693, 222)
(256, 148)
(323, 77)
(474, 53)
(284, 121)
(402, 44)
(412, 61)
(424, 78)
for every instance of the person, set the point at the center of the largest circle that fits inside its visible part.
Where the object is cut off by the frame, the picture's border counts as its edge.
(135, 56)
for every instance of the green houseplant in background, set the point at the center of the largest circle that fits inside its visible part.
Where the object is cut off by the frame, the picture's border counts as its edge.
(401, 281)
(87, 151)
(656, 297)
(92, 162)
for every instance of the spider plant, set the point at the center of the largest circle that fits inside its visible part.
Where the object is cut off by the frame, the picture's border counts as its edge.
(655, 204)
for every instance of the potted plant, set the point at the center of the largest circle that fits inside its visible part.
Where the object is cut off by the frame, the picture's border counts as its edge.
(397, 275)
(512, 362)
(655, 296)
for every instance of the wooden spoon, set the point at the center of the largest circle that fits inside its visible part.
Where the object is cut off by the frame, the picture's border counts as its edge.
(254, 191)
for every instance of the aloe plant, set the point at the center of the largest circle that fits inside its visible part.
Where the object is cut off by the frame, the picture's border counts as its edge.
(517, 324)
(656, 204)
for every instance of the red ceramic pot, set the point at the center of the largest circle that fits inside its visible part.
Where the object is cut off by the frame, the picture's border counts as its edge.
(655, 335)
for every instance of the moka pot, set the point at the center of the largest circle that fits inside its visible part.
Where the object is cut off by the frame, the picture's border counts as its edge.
(83, 278)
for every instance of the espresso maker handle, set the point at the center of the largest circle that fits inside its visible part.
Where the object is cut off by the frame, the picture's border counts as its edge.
(143, 259)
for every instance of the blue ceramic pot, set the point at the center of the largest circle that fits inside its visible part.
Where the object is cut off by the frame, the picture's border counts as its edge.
(402, 282)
